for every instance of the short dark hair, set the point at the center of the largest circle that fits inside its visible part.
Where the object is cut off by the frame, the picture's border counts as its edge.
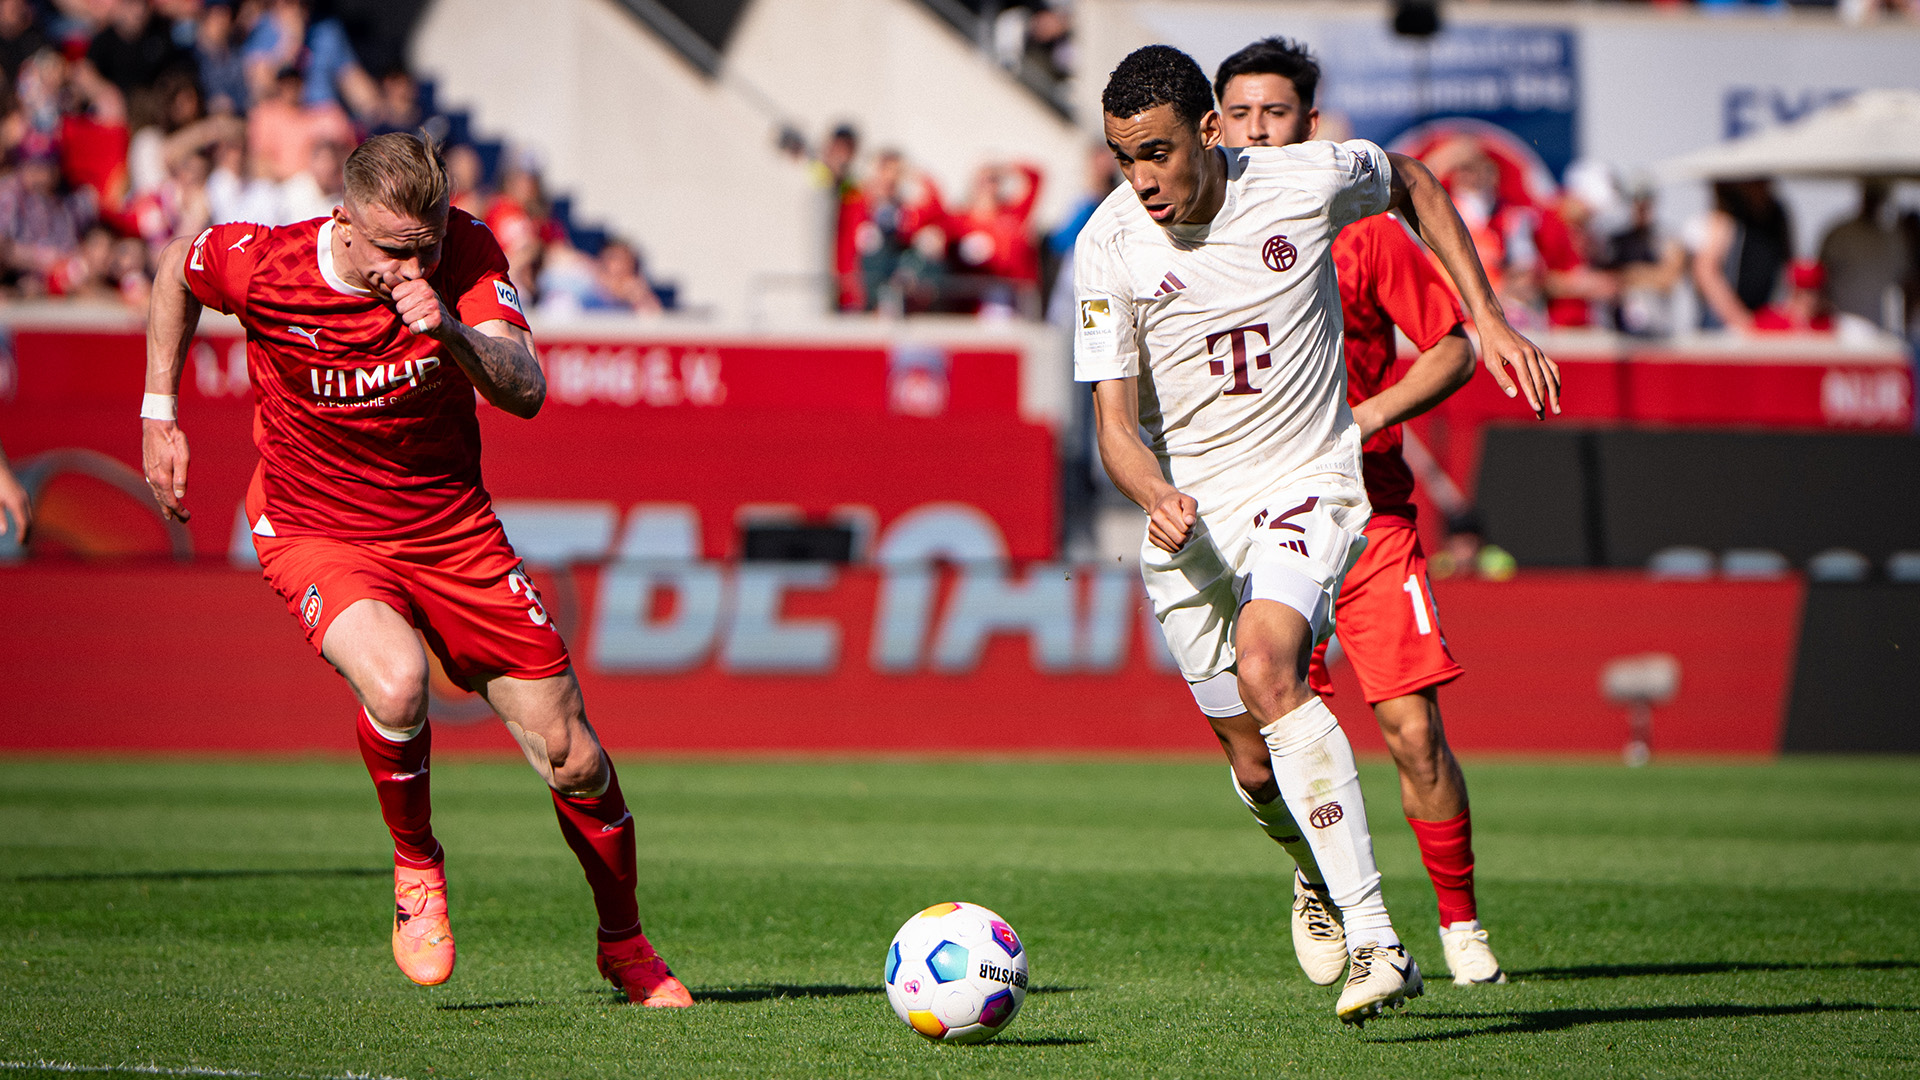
(1273, 56)
(1158, 75)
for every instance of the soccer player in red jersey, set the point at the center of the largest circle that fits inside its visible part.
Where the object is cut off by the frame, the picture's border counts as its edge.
(368, 334)
(1387, 621)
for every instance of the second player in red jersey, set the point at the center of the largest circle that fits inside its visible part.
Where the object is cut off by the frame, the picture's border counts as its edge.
(369, 334)
(1386, 620)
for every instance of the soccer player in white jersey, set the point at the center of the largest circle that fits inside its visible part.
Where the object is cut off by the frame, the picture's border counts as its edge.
(1209, 323)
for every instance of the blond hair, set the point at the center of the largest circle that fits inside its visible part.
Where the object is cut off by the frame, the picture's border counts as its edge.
(400, 171)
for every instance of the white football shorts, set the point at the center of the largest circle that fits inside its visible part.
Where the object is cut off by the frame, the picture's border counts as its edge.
(1293, 546)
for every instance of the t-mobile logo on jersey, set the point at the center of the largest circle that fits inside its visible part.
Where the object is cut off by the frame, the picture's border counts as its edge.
(373, 385)
(1237, 339)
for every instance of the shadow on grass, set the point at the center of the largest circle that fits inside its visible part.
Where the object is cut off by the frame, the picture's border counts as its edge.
(785, 990)
(478, 1006)
(1537, 1021)
(1045, 1040)
(1624, 971)
(205, 875)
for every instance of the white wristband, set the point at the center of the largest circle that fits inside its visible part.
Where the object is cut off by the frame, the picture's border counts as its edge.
(158, 407)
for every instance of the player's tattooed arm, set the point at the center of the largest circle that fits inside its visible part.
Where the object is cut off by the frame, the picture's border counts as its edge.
(1135, 471)
(173, 314)
(496, 355)
(1425, 206)
(1429, 380)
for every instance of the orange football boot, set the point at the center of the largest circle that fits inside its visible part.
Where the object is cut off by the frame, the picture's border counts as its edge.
(634, 967)
(422, 937)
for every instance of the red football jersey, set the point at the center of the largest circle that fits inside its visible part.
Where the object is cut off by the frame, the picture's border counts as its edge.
(1386, 280)
(364, 428)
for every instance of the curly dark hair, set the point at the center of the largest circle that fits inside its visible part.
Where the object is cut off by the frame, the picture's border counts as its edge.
(1158, 75)
(1280, 56)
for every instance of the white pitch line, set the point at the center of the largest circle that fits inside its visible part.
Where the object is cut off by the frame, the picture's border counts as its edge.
(191, 1070)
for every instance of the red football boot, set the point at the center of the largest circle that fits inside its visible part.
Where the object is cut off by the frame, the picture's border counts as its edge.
(422, 937)
(634, 967)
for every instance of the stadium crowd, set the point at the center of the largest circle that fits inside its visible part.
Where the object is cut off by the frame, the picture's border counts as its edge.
(125, 123)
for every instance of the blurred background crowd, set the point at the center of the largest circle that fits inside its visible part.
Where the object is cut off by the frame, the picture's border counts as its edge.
(125, 123)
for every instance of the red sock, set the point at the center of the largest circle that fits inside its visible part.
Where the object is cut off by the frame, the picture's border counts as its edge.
(399, 773)
(600, 831)
(1447, 849)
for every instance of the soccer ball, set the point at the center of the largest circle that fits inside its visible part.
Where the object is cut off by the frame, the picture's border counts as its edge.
(956, 973)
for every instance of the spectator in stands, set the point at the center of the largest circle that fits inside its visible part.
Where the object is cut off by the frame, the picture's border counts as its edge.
(163, 117)
(623, 280)
(1649, 267)
(466, 176)
(316, 190)
(996, 236)
(134, 47)
(1867, 263)
(216, 47)
(398, 107)
(1502, 229)
(519, 219)
(572, 282)
(1564, 237)
(1740, 252)
(899, 233)
(1101, 177)
(286, 36)
(40, 224)
(237, 189)
(21, 35)
(1805, 308)
(834, 174)
(282, 131)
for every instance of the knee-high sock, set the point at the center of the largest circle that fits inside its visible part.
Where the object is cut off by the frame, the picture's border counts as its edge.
(397, 761)
(599, 829)
(1278, 821)
(1313, 763)
(1447, 849)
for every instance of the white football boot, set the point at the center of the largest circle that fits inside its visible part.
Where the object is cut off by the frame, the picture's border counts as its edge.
(1468, 956)
(1319, 937)
(1381, 977)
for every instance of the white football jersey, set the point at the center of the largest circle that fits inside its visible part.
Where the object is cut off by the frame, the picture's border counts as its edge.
(1234, 327)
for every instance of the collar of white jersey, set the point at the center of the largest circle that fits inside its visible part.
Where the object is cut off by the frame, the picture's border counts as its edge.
(323, 257)
(1198, 233)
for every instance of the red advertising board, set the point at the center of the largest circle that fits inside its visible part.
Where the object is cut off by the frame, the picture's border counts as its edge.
(728, 427)
(707, 656)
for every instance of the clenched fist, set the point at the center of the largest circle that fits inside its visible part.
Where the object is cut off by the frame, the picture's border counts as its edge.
(420, 308)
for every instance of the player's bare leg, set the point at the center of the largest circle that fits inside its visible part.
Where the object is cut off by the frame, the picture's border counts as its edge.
(1312, 764)
(548, 718)
(1434, 794)
(381, 657)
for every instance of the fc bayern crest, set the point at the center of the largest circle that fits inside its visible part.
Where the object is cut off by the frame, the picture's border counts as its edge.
(310, 606)
(1278, 254)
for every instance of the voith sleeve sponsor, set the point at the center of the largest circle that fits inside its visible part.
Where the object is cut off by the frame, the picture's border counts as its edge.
(477, 275)
(220, 265)
(1105, 345)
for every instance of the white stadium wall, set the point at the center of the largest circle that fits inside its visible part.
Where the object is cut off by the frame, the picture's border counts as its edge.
(687, 165)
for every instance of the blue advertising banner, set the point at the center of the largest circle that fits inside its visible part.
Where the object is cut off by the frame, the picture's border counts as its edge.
(1523, 79)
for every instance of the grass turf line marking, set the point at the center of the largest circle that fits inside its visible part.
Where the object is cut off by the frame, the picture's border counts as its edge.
(161, 1070)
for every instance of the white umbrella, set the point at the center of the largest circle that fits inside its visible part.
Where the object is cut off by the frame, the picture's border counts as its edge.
(1873, 133)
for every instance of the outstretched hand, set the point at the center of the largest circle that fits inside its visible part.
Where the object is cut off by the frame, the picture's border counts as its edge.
(1535, 376)
(163, 457)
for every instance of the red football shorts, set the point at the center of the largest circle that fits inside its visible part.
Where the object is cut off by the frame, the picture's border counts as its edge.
(1386, 620)
(467, 595)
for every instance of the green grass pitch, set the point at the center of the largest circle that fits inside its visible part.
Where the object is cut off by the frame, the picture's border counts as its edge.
(232, 918)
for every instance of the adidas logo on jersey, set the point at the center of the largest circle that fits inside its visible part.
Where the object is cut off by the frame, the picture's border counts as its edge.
(1169, 284)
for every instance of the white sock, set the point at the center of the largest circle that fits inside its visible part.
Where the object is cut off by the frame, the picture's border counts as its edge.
(1313, 762)
(1278, 821)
